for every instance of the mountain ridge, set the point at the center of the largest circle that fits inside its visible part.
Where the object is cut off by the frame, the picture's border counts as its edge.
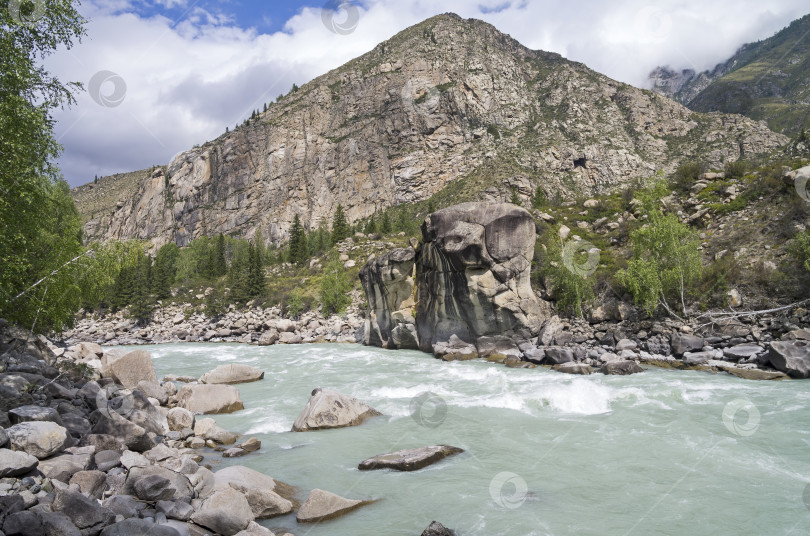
(437, 102)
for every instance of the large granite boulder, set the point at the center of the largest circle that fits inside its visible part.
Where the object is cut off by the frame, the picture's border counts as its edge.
(266, 496)
(39, 438)
(473, 275)
(389, 282)
(13, 463)
(329, 409)
(791, 357)
(322, 505)
(128, 369)
(225, 512)
(210, 398)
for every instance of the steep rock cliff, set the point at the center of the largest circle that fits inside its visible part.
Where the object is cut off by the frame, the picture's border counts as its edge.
(437, 102)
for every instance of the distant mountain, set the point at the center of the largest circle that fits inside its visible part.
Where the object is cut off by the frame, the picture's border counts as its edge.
(446, 105)
(768, 80)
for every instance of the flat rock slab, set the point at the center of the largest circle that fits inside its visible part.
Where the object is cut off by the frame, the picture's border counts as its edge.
(410, 459)
(210, 398)
(233, 373)
(13, 463)
(322, 505)
(329, 409)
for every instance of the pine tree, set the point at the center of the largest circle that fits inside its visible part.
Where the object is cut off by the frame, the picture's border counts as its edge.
(227, 130)
(265, 106)
(371, 226)
(385, 226)
(340, 226)
(261, 249)
(299, 251)
(256, 274)
(239, 277)
(515, 197)
(335, 286)
(165, 270)
(141, 305)
(402, 220)
(220, 267)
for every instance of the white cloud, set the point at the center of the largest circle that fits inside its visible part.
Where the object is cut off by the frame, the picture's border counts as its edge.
(186, 81)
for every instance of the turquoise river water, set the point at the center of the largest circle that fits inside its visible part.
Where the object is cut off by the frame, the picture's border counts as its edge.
(663, 452)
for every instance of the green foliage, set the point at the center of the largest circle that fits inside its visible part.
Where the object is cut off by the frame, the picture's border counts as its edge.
(371, 226)
(318, 241)
(800, 249)
(493, 131)
(539, 198)
(142, 302)
(218, 266)
(257, 283)
(666, 259)
(40, 230)
(165, 270)
(572, 288)
(385, 226)
(215, 303)
(335, 286)
(736, 169)
(298, 248)
(514, 198)
(686, 175)
(98, 272)
(340, 226)
(295, 304)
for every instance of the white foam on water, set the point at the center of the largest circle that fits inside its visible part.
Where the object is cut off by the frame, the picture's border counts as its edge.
(583, 397)
(510, 401)
(269, 424)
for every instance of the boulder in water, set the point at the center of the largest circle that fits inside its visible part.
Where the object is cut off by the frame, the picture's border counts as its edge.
(791, 357)
(322, 505)
(232, 373)
(329, 409)
(410, 459)
(210, 398)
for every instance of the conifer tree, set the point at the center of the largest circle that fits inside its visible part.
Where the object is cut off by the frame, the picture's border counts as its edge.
(165, 270)
(140, 307)
(385, 226)
(256, 275)
(298, 253)
(371, 226)
(340, 226)
(220, 266)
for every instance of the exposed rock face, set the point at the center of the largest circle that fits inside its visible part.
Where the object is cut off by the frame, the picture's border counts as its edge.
(401, 122)
(473, 275)
(389, 282)
(410, 459)
(791, 357)
(130, 368)
(329, 409)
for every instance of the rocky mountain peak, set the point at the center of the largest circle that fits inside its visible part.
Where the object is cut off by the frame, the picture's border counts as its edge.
(444, 101)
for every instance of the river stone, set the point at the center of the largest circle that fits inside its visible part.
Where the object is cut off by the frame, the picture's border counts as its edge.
(791, 357)
(210, 399)
(557, 355)
(254, 529)
(742, 351)
(153, 390)
(34, 413)
(91, 483)
(473, 275)
(574, 368)
(154, 488)
(268, 337)
(266, 496)
(437, 529)
(134, 437)
(410, 459)
(682, 343)
(124, 505)
(3, 437)
(129, 369)
(86, 513)
(329, 409)
(180, 483)
(797, 334)
(64, 466)
(13, 463)
(621, 368)
(57, 524)
(322, 505)
(139, 527)
(180, 418)
(39, 438)
(179, 510)
(232, 373)
(455, 349)
(107, 459)
(226, 511)
(25, 523)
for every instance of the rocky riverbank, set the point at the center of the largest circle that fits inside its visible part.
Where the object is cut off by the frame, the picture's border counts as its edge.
(91, 442)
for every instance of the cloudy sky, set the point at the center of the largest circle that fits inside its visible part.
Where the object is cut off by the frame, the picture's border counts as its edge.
(163, 75)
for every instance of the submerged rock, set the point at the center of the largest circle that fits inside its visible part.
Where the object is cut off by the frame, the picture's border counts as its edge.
(574, 368)
(232, 373)
(621, 368)
(410, 459)
(329, 409)
(437, 529)
(322, 505)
